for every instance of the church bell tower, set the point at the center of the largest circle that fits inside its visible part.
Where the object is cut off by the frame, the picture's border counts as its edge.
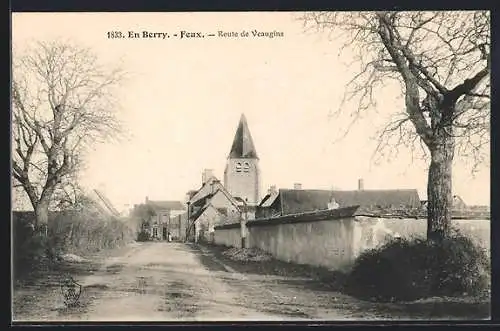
(242, 173)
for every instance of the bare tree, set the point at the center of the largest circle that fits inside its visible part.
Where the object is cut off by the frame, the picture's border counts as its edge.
(62, 103)
(441, 63)
(67, 195)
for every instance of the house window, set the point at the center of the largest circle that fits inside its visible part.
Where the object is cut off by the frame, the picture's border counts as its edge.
(238, 167)
(155, 232)
(246, 167)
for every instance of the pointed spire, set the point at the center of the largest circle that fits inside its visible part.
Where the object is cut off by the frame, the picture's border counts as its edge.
(243, 144)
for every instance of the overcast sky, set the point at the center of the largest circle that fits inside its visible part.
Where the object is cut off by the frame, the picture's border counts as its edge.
(183, 100)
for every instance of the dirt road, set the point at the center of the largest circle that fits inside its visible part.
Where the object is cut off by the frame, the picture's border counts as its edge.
(146, 282)
(178, 282)
(164, 282)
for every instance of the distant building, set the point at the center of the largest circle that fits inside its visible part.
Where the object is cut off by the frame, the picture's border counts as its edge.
(160, 223)
(295, 201)
(460, 210)
(458, 204)
(180, 222)
(211, 205)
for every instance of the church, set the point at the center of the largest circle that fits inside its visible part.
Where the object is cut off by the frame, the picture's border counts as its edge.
(242, 173)
(234, 200)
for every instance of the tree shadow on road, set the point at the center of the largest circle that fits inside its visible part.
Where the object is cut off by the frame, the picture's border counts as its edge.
(206, 258)
(300, 275)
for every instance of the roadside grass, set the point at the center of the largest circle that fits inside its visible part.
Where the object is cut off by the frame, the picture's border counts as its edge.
(317, 277)
(37, 295)
(323, 279)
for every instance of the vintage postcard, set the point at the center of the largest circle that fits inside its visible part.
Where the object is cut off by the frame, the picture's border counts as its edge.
(250, 166)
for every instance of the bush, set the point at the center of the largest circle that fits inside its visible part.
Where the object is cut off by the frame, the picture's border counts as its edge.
(410, 269)
(78, 232)
(143, 236)
(29, 252)
(84, 232)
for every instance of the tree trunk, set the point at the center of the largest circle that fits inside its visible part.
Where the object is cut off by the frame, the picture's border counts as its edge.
(42, 216)
(439, 187)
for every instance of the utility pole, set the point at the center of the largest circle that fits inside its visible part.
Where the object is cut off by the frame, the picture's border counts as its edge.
(188, 225)
(243, 225)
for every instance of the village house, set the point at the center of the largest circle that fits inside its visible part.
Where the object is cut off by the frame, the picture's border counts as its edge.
(160, 224)
(178, 226)
(209, 206)
(295, 201)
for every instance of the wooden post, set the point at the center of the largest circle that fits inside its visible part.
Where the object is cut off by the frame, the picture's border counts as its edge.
(243, 225)
(187, 222)
(243, 237)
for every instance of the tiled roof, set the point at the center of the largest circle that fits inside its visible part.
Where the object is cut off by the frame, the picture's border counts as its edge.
(228, 195)
(191, 193)
(197, 194)
(298, 201)
(239, 201)
(202, 201)
(269, 199)
(243, 146)
(166, 205)
(199, 212)
(202, 210)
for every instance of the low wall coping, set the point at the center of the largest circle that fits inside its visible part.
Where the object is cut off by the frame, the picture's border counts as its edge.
(330, 214)
(322, 215)
(227, 226)
(420, 216)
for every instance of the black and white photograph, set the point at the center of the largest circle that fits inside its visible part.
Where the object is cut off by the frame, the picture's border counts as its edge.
(250, 166)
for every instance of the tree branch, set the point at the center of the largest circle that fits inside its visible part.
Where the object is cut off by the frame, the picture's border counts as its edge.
(412, 99)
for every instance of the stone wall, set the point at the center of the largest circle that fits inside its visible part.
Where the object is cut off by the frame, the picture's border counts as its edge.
(334, 240)
(327, 243)
(230, 237)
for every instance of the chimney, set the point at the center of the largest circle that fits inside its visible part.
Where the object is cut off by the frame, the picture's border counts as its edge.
(271, 189)
(147, 199)
(361, 184)
(205, 176)
(297, 186)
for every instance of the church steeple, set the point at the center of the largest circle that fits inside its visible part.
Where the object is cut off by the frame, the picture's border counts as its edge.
(243, 147)
(242, 174)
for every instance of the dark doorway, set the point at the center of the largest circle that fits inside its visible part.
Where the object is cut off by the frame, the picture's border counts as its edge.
(164, 233)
